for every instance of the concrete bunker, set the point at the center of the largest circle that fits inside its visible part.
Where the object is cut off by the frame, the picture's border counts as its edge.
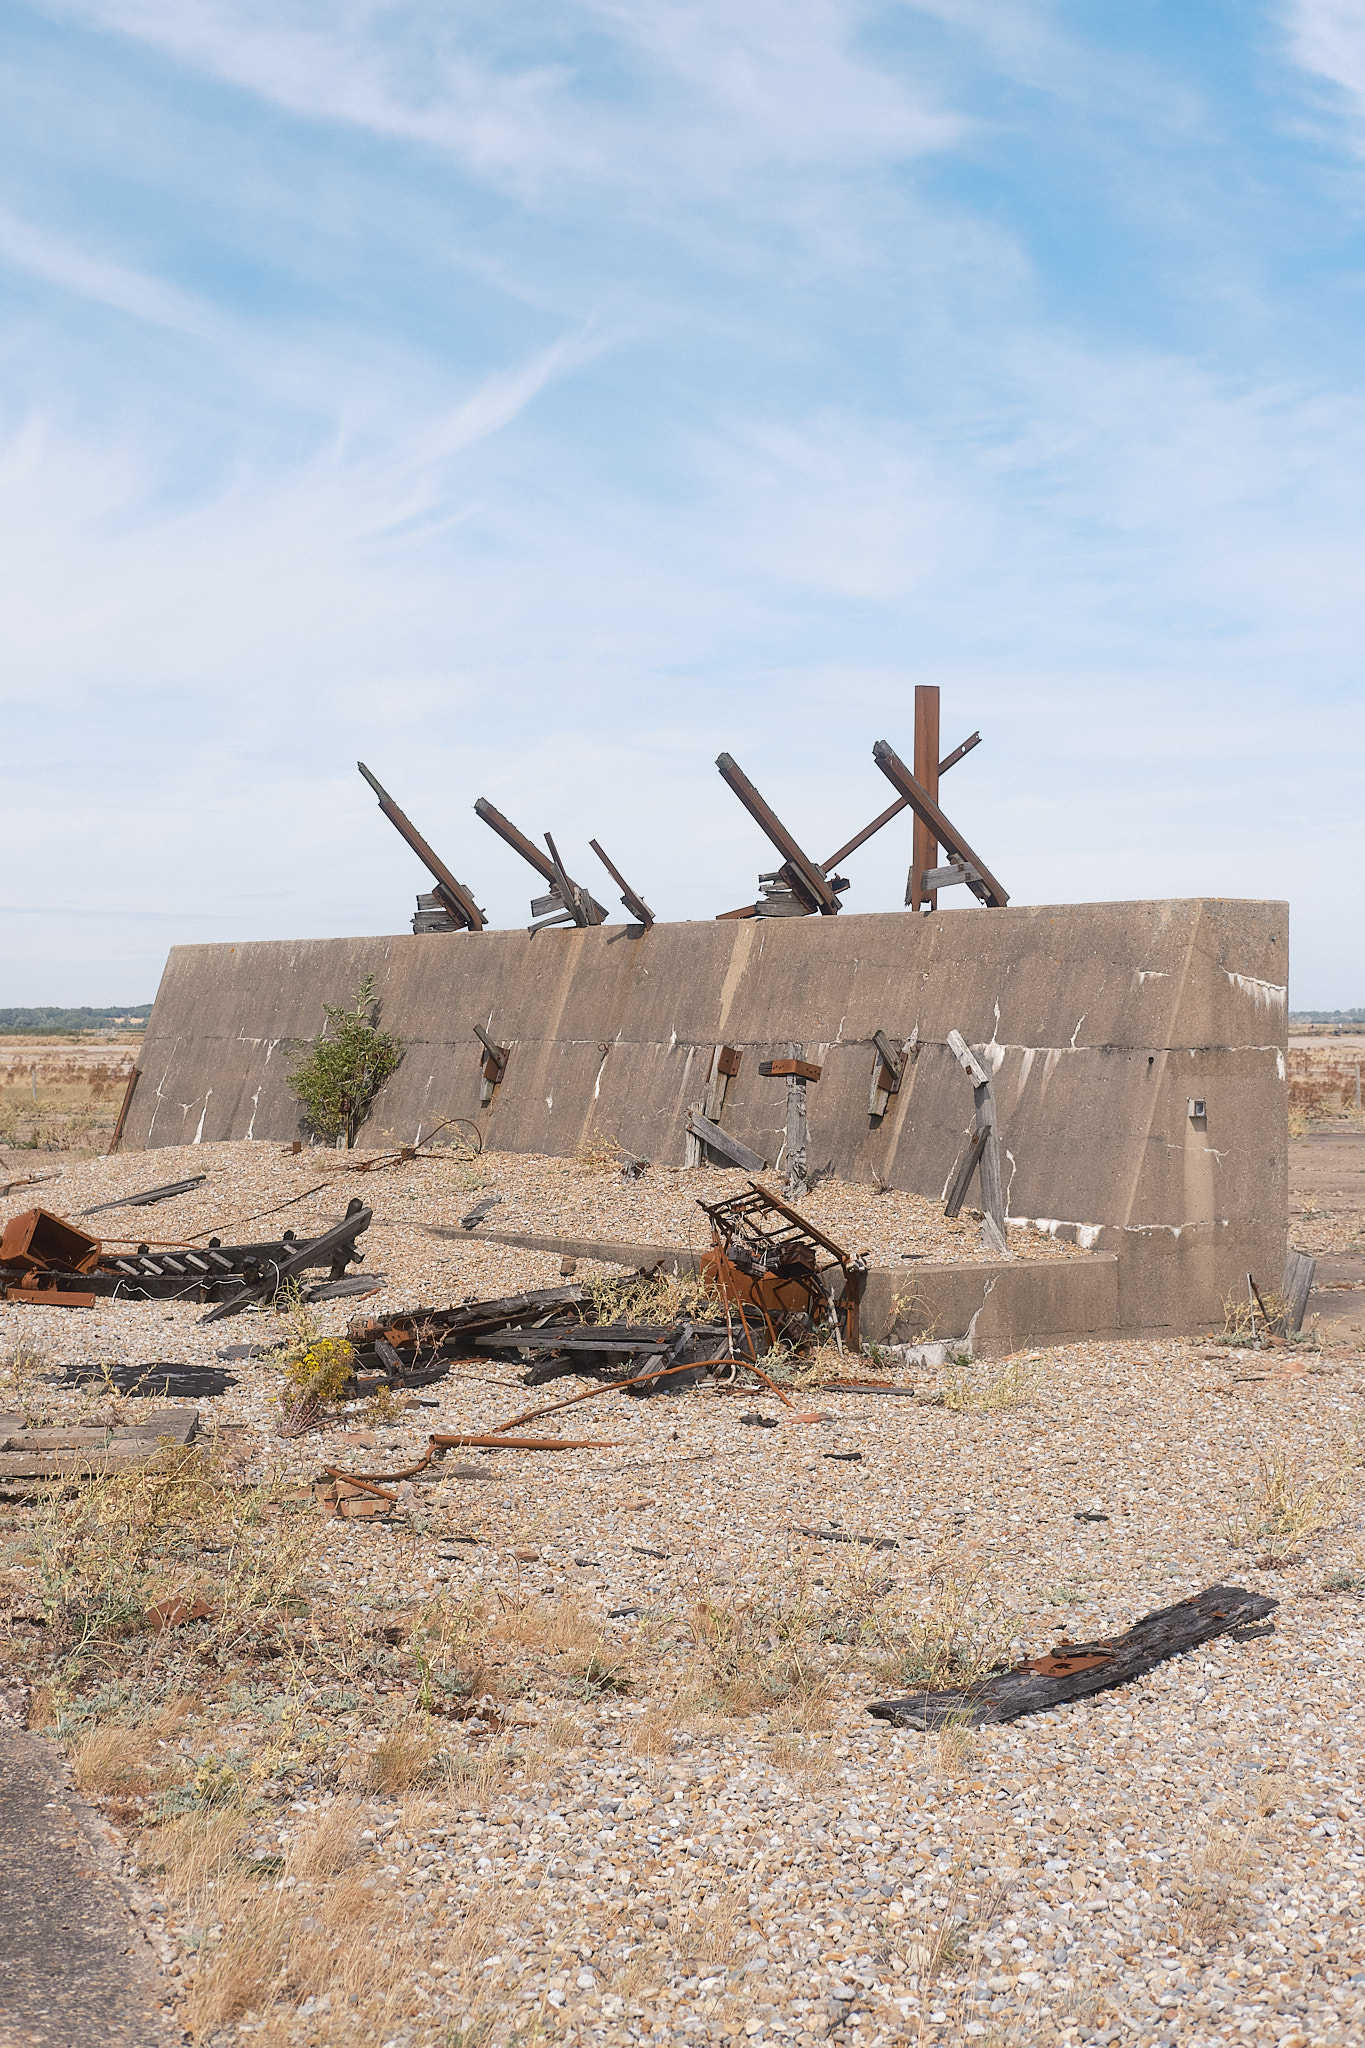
(1137, 1052)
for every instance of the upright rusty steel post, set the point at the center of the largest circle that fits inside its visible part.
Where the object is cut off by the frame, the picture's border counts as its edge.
(925, 846)
(126, 1105)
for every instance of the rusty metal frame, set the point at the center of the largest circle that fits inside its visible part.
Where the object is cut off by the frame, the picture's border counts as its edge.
(785, 1244)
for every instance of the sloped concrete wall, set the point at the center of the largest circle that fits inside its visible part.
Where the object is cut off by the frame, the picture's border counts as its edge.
(1101, 1021)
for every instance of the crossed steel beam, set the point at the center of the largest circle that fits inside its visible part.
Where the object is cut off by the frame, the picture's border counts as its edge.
(814, 884)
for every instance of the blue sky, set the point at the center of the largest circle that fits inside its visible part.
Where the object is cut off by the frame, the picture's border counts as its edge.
(534, 400)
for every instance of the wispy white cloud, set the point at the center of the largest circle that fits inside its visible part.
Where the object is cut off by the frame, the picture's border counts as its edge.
(701, 90)
(57, 261)
(1328, 37)
(533, 402)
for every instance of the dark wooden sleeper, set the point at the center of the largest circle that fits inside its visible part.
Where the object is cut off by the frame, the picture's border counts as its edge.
(1070, 1671)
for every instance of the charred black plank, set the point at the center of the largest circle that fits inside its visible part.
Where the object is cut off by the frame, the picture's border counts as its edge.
(1072, 1671)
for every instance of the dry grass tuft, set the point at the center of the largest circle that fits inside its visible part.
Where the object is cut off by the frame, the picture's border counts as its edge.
(329, 1848)
(599, 1152)
(1281, 1509)
(761, 1652)
(651, 1298)
(112, 1762)
(955, 1747)
(22, 1368)
(1243, 1322)
(405, 1758)
(703, 1931)
(984, 1390)
(129, 1543)
(1221, 1869)
(952, 1635)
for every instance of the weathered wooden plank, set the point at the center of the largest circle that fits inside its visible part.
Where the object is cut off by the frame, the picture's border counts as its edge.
(1072, 1671)
(149, 1196)
(992, 1181)
(124, 1108)
(894, 1059)
(91, 1464)
(966, 1059)
(1296, 1286)
(721, 1141)
(846, 1536)
(968, 1161)
(934, 879)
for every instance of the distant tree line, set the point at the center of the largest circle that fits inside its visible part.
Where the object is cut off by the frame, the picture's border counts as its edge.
(46, 1017)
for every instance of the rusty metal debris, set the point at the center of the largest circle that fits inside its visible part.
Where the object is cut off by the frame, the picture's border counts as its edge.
(47, 1260)
(148, 1196)
(764, 1263)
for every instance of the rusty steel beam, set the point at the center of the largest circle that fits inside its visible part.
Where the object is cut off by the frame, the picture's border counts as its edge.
(894, 810)
(985, 886)
(924, 846)
(455, 897)
(806, 878)
(518, 841)
(636, 905)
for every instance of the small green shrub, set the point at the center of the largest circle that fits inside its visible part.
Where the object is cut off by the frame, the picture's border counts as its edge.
(344, 1068)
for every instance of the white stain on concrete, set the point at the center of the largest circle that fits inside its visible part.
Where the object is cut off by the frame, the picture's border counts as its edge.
(1075, 1034)
(1273, 994)
(1086, 1235)
(161, 1094)
(254, 1101)
(198, 1136)
(1146, 974)
(1279, 1063)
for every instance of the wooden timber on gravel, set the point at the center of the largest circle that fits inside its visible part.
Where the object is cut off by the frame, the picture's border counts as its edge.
(33, 1458)
(1071, 1671)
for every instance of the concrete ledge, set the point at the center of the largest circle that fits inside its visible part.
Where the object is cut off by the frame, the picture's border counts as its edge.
(1027, 1301)
(1016, 1302)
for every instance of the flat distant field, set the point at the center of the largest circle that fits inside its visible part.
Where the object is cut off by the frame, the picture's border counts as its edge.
(62, 1094)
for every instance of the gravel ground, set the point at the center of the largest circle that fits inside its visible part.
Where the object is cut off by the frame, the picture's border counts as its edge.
(665, 1856)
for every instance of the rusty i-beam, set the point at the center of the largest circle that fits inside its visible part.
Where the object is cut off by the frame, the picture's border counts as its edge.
(805, 878)
(902, 803)
(965, 866)
(802, 887)
(454, 897)
(568, 904)
(636, 905)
